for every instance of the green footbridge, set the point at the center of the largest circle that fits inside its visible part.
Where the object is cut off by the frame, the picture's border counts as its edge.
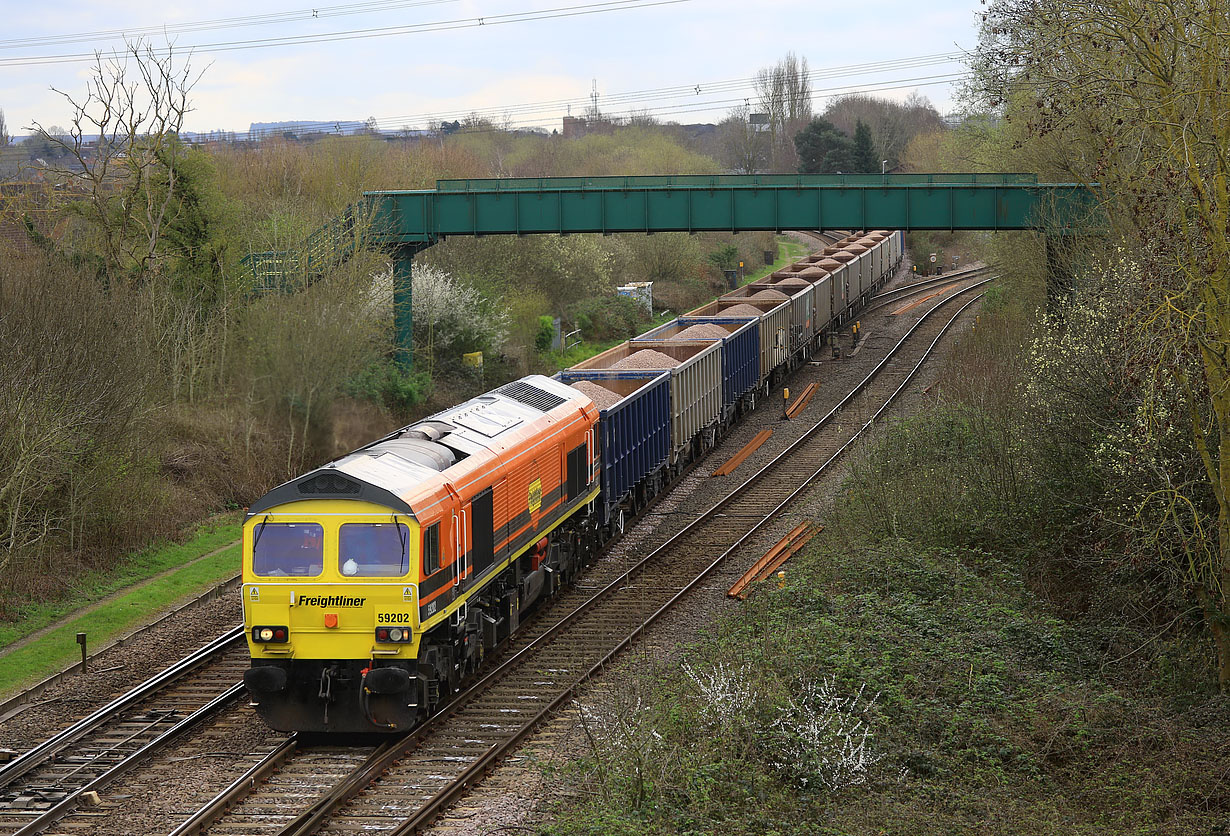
(406, 222)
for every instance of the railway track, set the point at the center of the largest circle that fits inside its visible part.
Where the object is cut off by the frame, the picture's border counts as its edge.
(826, 238)
(886, 298)
(49, 781)
(400, 787)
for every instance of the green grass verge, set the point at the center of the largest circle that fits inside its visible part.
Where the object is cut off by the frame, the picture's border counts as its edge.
(95, 586)
(990, 715)
(788, 252)
(52, 652)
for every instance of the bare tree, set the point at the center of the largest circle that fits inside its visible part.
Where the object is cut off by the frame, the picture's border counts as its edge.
(4, 131)
(784, 93)
(122, 147)
(743, 146)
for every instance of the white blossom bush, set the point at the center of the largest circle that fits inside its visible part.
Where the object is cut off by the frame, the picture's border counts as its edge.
(823, 737)
(451, 317)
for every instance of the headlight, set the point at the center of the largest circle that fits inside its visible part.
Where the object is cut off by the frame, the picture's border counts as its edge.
(400, 635)
(269, 634)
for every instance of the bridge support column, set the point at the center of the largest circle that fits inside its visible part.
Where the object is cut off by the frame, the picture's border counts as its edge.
(403, 311)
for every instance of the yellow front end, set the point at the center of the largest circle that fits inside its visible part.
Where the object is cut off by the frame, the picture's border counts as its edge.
(330, 600)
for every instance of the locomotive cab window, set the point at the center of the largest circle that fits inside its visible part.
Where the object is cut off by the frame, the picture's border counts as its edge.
(288, 550)
(431, 549)
(373, 550)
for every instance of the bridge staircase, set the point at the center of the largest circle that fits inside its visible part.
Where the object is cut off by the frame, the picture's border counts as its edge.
(285, 271)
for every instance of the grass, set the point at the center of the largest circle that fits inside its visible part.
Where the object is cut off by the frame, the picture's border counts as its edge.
(52, 652)
(788, 252)
(991, 716)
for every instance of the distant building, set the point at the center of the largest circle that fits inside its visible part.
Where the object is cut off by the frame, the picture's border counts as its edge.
(576, 127)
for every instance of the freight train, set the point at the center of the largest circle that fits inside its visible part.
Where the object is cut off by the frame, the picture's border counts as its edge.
(374, 586)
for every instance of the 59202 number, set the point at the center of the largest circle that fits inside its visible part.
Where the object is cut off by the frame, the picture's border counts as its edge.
(393, 618)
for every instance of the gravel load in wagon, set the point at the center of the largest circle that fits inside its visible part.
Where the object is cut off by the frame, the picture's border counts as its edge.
(845, 256)
(857, 249)
(743, 310)
(811, 274)
(829, 264)
(600, 395)
(648, 359)
(769, 295)
(792, 286)
(703, 331)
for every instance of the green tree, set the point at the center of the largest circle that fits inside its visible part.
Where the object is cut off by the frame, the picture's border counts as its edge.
(864, 150)
(1132, 97)
(823, 149)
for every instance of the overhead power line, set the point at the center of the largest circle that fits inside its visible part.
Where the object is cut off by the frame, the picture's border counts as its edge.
(361, 34)
(692, 91)
(662, 111)
(168, 29)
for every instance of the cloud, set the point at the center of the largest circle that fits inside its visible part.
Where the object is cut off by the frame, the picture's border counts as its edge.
(493, 66)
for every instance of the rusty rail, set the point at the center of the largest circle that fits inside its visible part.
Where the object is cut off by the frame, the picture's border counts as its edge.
(728, 467)
(785, 548)
(801, 402)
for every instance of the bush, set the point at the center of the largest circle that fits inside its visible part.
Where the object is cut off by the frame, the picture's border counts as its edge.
(386, 384)
(725, 257)
(452, 317)
(546, 333)
(607, 318)
(78, 391)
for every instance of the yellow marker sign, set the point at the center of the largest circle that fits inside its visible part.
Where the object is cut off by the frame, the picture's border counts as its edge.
(535, 496)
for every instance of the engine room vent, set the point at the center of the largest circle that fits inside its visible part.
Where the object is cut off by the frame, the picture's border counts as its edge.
(529, 395)
(329, 483)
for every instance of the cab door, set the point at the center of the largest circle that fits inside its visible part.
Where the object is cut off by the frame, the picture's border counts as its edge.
(482, 532)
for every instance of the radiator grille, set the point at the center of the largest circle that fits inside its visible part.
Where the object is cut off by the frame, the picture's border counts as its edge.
(529, 395)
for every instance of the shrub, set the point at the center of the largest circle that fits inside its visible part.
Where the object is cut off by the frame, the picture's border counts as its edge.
(546, 333)
(725, 257)
(386, 384)
(77, 394)
(607, 318)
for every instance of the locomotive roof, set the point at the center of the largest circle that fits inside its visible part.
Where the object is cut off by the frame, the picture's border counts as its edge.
(388, 469)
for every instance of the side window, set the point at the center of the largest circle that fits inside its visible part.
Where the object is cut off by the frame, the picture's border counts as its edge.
(431, 549)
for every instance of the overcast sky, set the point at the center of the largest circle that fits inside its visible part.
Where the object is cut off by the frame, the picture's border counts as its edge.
(527, 59)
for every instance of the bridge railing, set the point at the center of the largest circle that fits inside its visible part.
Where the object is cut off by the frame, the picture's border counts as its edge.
(515, 184)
